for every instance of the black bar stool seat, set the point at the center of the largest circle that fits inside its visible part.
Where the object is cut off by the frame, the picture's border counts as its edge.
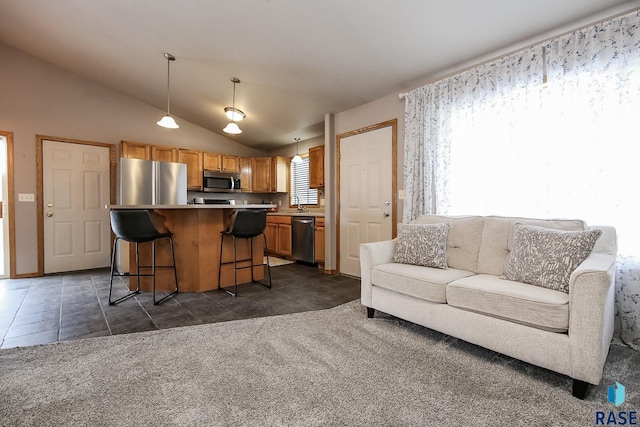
(246, 225)
(136, 226)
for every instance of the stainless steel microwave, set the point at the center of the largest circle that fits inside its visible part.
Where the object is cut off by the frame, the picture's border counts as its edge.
(216, 182)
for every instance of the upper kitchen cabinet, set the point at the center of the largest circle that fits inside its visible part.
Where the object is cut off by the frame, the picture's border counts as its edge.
(269, 174)
(193, 160)
(245, 175)
(261, 174)
(316, 167)
(164, 154)
(134, 150)
(280, 174)
(230, 164)
(221, 163)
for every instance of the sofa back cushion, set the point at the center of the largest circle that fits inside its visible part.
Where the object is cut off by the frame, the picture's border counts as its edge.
(463, 239)
(497, 239)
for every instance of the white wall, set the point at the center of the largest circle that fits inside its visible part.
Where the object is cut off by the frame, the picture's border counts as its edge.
(378, 111)
(37, 98)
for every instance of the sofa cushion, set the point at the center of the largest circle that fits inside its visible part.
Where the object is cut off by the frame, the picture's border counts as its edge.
(421, 282)
(497, 239)
(518, 302)
(422, 244)
(545, 257)
(463, 239)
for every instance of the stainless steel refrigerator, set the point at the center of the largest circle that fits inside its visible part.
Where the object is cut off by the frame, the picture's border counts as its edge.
(147, 182)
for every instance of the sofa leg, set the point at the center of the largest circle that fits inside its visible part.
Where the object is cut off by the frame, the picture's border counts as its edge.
(370, 312)
(580, 389)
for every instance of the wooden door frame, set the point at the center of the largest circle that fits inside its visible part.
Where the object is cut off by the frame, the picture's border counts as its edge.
(12, 204)
(39, 184)
(393, 123)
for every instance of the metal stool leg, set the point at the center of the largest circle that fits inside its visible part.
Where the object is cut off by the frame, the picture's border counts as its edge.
(267, 255)
(113, 263)
(235, 271)
(175, 272)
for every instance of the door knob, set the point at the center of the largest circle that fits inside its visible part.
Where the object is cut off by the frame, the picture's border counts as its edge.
(386, 214)
(49, 214)
(49, 205)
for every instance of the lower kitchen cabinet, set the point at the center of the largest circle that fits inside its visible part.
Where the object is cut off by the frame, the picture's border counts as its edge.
(319, 240)
(278, 234)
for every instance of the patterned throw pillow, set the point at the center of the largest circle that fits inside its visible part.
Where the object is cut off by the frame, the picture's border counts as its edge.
(422, 244)
(546, 257)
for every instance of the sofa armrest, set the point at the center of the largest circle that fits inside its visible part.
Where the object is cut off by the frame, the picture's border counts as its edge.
(591, 312)
(371, 255)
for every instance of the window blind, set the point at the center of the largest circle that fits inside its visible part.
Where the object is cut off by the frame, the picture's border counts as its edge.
(300, 184)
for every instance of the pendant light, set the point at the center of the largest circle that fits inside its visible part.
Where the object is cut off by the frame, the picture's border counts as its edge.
(297, 158)
(233, 113)
(168, 121)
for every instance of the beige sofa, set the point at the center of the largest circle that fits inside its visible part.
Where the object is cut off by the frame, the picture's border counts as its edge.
(569, 333)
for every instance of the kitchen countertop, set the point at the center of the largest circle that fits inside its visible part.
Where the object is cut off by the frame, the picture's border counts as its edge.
(257, 206)
(316, 214)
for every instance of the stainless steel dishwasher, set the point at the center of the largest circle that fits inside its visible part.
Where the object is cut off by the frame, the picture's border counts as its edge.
(302, 236)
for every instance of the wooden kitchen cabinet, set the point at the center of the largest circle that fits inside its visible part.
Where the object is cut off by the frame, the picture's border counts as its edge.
(230, 164)
(164, 154)
(280, 174)
(319, 240)
(284, 240)
(135, 150)
(278, 234)
(269, 174)
(221, 163)
(271, 232)
(316, 167)
(212, 161)
(193, 160)
(261, 174)
(245, 175)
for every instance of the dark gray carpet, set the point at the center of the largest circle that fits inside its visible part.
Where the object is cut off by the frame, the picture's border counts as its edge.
(330, 367)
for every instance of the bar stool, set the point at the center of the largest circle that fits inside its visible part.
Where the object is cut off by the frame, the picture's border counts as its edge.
(246, 225)
(136, 226)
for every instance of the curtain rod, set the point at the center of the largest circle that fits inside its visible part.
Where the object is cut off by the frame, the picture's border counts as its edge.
(592, 21)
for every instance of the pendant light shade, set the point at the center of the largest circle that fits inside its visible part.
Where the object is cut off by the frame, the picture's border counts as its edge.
(297, 158)
(233, 113)
(233, 128)
(167, 121)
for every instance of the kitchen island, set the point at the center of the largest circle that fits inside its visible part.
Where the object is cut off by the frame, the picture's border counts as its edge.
(196, 236)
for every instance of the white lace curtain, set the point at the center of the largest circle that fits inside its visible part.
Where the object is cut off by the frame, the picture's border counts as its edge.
(549, 131)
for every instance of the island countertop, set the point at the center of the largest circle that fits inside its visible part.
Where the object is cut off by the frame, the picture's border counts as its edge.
(197, 206)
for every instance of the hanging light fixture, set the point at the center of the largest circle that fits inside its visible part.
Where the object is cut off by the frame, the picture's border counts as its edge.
(297, 158)
(233, 113)
(168, 121)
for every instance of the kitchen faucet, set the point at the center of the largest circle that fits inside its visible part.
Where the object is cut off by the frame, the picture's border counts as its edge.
(300, 208)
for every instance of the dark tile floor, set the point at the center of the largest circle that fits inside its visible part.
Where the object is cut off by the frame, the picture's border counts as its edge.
(74, 305)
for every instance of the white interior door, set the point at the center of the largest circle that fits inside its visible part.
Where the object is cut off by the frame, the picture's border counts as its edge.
(75, 191)
(366, 190)
(4, 223)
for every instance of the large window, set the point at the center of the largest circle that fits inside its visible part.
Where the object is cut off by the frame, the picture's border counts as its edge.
(549, 132)
(300, 192)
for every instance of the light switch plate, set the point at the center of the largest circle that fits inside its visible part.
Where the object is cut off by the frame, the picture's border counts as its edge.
(26, 197)
(401, 194)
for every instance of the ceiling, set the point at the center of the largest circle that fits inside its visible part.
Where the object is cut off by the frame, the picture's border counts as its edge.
(297, 59)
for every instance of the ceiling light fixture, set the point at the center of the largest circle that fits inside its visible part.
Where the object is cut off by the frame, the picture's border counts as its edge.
(232, 112)
(297, 158)
(168, 121)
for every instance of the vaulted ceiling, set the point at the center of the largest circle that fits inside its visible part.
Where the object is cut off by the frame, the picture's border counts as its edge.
(297, 59)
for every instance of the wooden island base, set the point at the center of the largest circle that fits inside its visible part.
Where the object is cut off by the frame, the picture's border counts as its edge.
(196, 239)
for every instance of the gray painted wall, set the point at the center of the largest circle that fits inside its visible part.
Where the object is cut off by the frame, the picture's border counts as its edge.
(38, 98)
